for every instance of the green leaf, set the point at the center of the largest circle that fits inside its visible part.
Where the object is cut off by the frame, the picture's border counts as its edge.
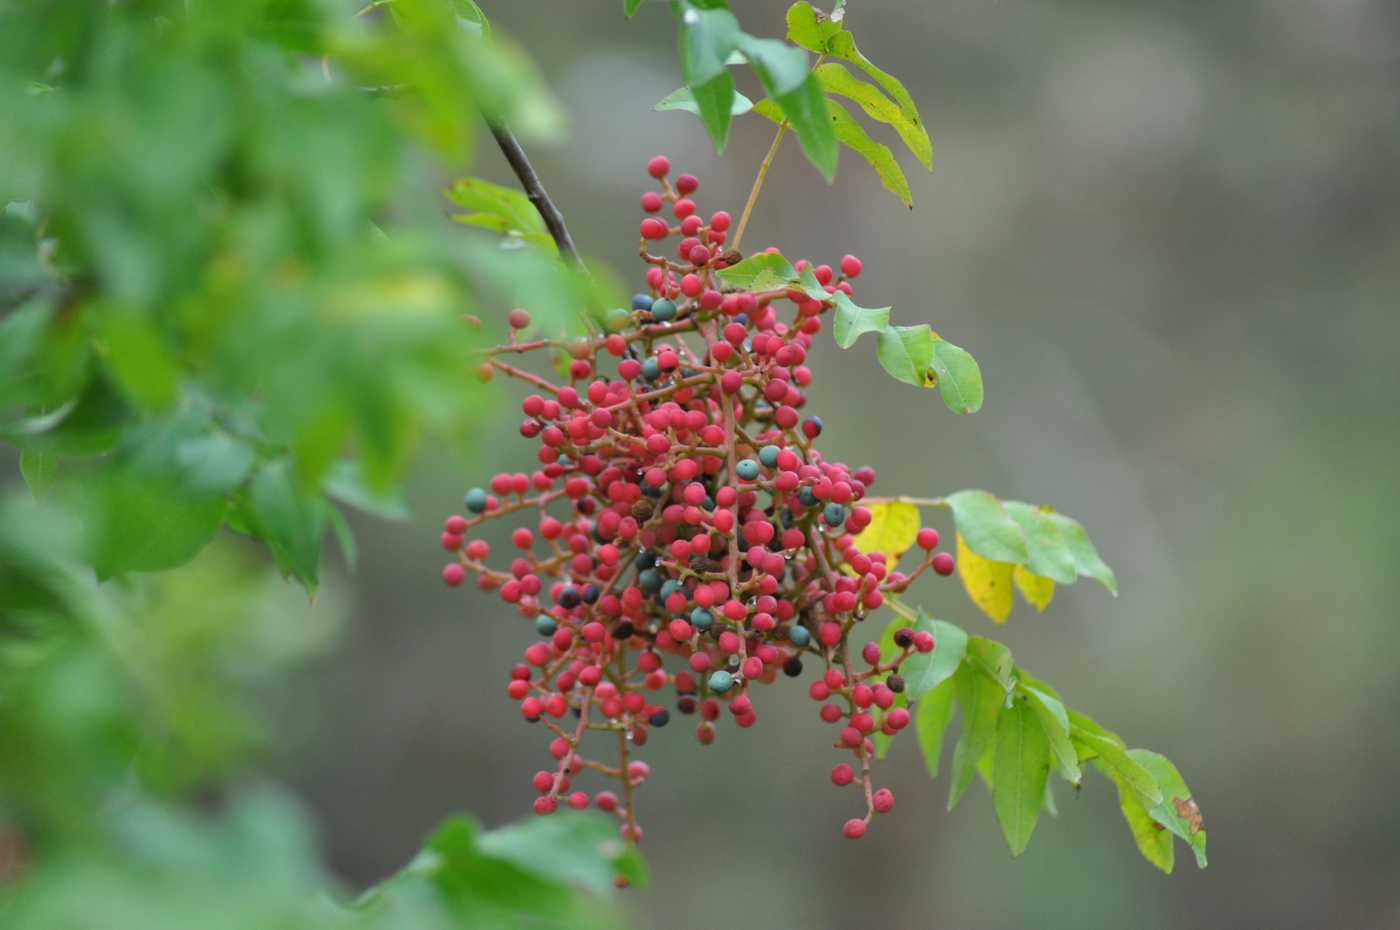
(762, 272)
(988, 528)
(931, 718)
(993, 659)
(578, 848)
(1050, 710)
(780, 68)
(843, 46)
(1086, 557)
(141, 363)
(1092, 741)
(1177, 811)
(346, 483)
(38, 469)
(502, 209)
(959, 377)
(922, 672)
(1049, 554)
(684, 99)
(809, 28)
(981, 698)
(853, 321)
(906, 353)
(631, 6)
(146, 522)
(707, 38)
(852, 135)
(1020, 769)
(825, 35)
(807, 112)
(215, 462)
(289, 521)
(1153, 841)
(715, 101)
(835, 79)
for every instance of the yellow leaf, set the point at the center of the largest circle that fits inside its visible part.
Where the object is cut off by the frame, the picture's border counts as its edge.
(988, 583)
(893, 528)
(1036, 589)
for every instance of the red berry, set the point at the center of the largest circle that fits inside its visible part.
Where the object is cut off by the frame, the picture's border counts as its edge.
(943, 563)
(927, 538)
(518, 318)
(842, 775)
(850, 266)
(883, 801)
(659, 166)
(853, 829)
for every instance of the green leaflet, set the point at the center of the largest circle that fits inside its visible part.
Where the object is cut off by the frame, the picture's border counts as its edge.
(1021, 764)
(289, 521)
(684, 99)
(835, 79)
(981, 699)
(1049, 555)
(1177, 811)
(931, 719)
(988, 528)
(764, 271)
(1086, 557)
(852, 321)
(819, 33)
(1054, 720)
(1154, 842)
(630, 7)
(925, 671)
(852, 135)
(906, 354)
(959, 377)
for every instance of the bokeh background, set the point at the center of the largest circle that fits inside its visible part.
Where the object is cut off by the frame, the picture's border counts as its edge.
(1169, 233)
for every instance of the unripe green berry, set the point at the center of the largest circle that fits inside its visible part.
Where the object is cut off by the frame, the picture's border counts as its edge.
(663, 310)
(475, 500)
(747, 469)
(721, 681)
(768, 455)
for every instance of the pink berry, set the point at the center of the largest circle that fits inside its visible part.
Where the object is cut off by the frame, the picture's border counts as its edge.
(883, 801)
(853, 829)
(850, 266)
(518, 318)
(659, 166)
(943, 563)
(842, 775)
(927, 538)
(452, 574)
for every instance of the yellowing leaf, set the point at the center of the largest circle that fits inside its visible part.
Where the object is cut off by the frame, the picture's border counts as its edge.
(988, 583)
(893, 528)
(1036, 589)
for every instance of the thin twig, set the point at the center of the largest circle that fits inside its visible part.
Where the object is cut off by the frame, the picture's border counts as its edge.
(534, 189)
(758, 184)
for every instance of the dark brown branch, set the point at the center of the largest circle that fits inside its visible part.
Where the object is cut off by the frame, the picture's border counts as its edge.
(534, 189)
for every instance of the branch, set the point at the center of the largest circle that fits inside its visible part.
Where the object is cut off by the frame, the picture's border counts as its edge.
(520, 164)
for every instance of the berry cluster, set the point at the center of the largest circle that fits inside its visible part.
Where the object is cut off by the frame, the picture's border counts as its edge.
(682, 531)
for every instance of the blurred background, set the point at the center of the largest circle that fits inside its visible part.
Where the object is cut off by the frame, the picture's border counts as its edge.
(1169, 233)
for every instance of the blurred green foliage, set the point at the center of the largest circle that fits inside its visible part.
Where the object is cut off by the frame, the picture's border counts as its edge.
(226, 301)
